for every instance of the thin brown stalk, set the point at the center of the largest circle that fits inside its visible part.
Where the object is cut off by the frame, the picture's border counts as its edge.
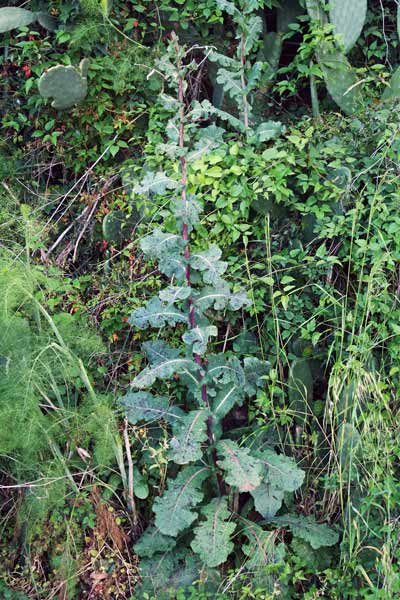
(130, 490)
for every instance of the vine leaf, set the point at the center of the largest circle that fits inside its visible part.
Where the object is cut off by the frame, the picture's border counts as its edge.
(209, 264)
(174, 510)
(316, 534)
(198, 337)
(189, 433)
(156, 314)
(152, 541)
(212, 538)
(242, 470)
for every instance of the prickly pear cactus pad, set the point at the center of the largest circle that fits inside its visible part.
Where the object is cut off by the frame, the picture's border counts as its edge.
(65, 84)
(392, 92)
(341, 81)
(316, 10)
(347, 18)
(12, 18)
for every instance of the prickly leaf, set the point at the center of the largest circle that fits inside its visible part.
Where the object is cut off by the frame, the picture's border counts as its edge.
(159, 244)
(198, 338)
(187, 212)
(226, 398)
(174, 510)
(231, 83)
(348, 441)
(189, 433)
(225, 369)
(152, 541)
(267, 500)
(141, 486)
(398, 20)
(209, 137)
(269, 130)
(300, 386)
(224, 61)
(155, 183)
(164, 363)
(47, 21)
(208, 263)
(255, 369)
(143, 406)
(280, 475)
(163, 574)
(173, 293)
(156, 314)
(212, 538)
(316, 10)
(227, 6)
(220, 297)
(316, 534)
(281, 471)
(252, 31)
(261, 548)
(242, 470)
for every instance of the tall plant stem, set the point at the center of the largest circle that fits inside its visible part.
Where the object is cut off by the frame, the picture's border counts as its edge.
(192, 310)
(185, 230)
(243, 83)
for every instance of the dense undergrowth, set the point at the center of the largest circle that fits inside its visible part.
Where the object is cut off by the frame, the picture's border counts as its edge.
(199, 303)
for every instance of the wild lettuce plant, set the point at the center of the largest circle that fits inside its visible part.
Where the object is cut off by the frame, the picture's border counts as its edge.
(238, 75)
(211, 470)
